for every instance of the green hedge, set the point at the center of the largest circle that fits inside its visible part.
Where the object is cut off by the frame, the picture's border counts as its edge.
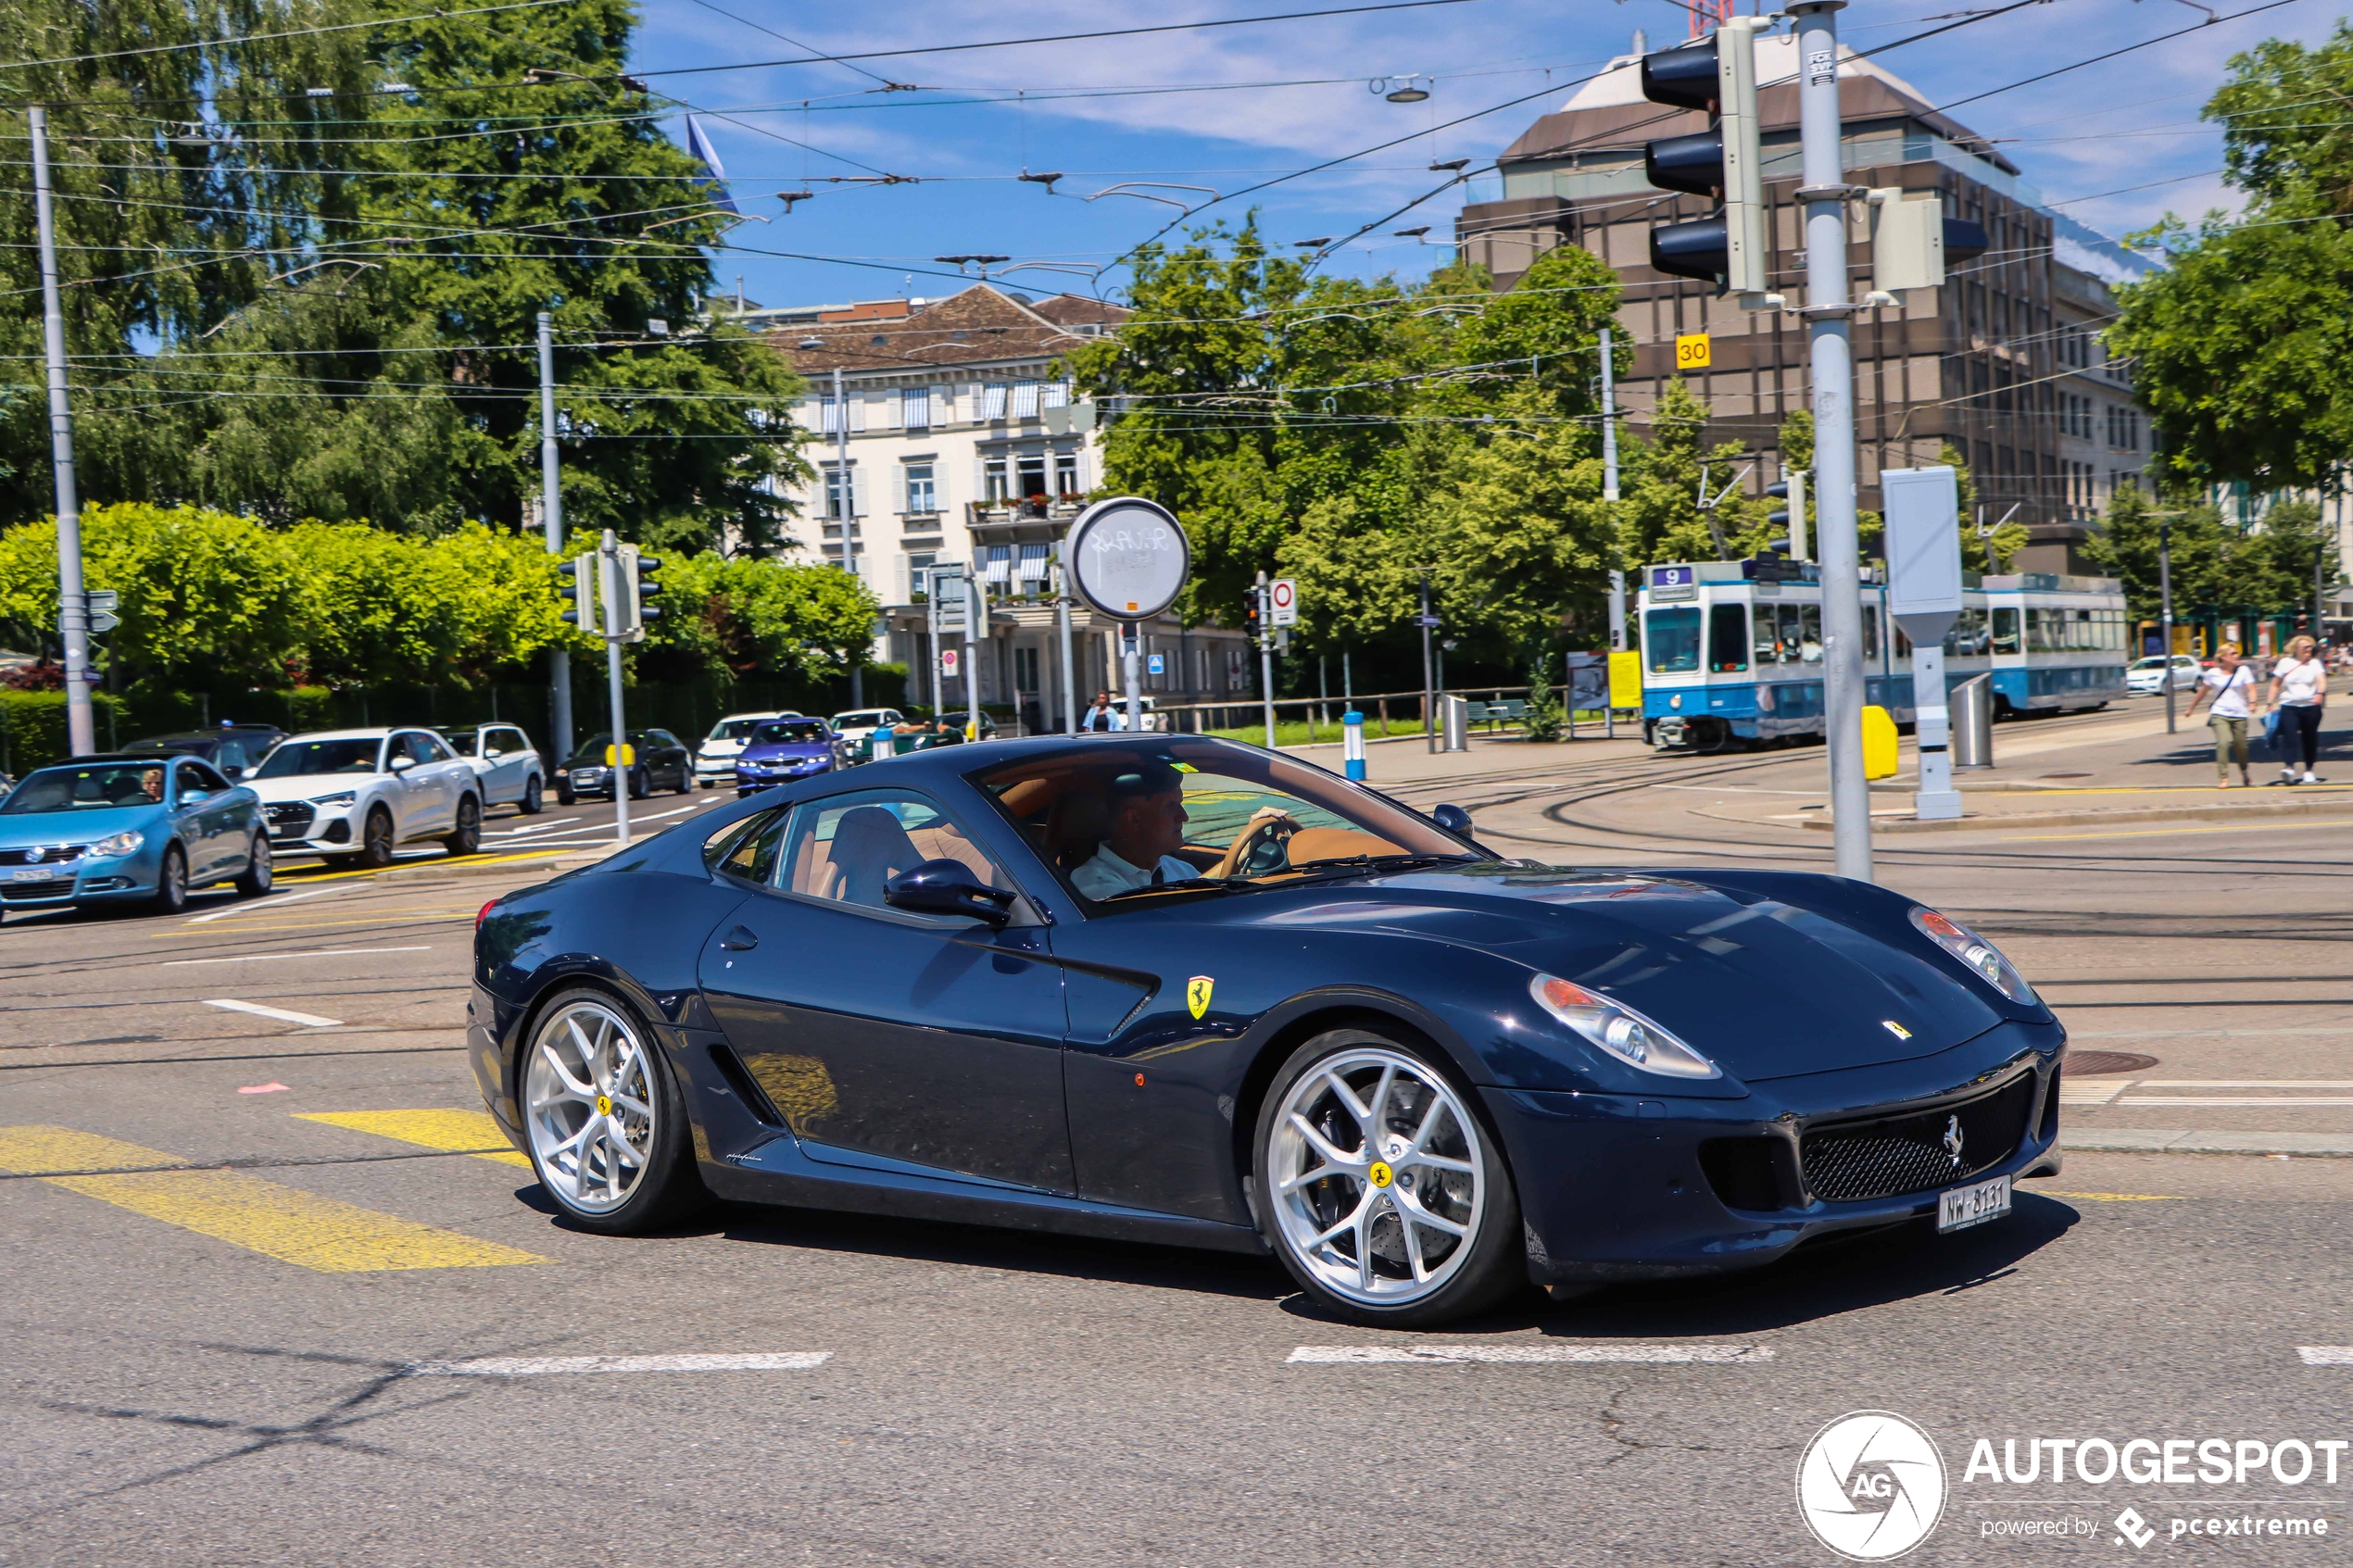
(32, 729)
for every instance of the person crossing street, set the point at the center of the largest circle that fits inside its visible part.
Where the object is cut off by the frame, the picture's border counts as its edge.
(2230, 684)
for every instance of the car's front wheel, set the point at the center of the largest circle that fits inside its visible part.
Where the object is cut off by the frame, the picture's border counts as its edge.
(467, 838)
(172, 881)
(261, 870)
(606, 1121)
(1378, 1186)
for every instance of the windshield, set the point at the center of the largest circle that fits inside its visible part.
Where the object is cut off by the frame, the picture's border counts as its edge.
(780, 731)
(462, 742)
(104, 787)
(733, 729)
(861, 721)
(1203, 814)
(1670, 639)
(301, 758)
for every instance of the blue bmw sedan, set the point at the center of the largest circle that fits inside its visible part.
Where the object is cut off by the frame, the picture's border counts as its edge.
(128, 829)
(1169, 987)
(782, 751)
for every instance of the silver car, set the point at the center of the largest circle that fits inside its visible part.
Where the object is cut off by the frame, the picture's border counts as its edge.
(506, 762)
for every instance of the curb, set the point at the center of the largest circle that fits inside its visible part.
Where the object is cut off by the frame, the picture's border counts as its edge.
(1987, 822)
(2166, 1140)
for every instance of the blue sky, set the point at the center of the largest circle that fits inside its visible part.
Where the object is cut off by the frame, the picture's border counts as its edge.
(2119, 144)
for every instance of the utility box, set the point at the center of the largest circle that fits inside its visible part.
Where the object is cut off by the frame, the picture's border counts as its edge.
(1879, 750)
(1924, 595)
(1908, 240)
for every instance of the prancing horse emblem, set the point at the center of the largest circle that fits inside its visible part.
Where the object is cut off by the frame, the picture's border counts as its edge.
(1952, 1139)
(1197, 992)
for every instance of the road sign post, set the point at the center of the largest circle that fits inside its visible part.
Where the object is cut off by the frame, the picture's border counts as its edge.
(1127, 559)
(1924, 595)
(616, 596)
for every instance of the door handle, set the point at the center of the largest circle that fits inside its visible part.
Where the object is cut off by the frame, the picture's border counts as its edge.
(743, 939)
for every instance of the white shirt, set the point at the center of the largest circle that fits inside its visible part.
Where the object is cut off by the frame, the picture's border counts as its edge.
(2230, 692)
(1107, 874)
(2299, 681)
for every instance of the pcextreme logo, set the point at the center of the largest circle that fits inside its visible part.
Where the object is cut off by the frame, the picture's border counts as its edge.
(1871, 1486)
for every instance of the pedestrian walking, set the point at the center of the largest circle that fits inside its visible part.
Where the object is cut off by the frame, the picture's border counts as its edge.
(2299, 691)
(2230, 684)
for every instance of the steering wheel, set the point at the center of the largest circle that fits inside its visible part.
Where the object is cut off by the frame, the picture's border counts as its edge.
(1263, 845)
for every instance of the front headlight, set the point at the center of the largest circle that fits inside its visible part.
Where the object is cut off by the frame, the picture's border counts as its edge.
(1619, 1030)
(340, 798)
(1976, 952)
(124, 843)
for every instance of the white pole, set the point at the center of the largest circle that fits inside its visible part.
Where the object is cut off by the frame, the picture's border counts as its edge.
(1824, 192)
(1800, 545)
(551, 518)
(610, 587)
(1266, 659)
(1070, 683)
(73, 607)
(1609, 420)
(1128, 641)
(975, 633)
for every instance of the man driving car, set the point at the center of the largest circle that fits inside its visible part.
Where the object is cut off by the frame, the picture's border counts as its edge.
(1147, 829)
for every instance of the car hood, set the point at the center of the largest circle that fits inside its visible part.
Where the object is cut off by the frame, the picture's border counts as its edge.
(74, 827)
(1763, 986)
(785, 751)
(308, 786)
(720, 747)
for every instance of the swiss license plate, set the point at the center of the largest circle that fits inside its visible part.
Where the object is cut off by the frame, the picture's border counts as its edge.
(1973, 1205)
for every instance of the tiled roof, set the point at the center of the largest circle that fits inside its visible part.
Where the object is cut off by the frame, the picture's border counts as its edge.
(977, 326)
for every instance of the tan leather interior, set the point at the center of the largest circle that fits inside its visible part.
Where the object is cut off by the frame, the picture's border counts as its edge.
(1326, 843)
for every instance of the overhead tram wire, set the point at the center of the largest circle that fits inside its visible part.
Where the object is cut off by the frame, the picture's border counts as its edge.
(269, 37)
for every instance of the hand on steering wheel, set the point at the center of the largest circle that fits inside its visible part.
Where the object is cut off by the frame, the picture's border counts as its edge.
(1267, 825)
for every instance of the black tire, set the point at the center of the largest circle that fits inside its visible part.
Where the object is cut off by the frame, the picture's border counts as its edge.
(172, 881)
(375, 840)
(564, 796)
(261, 872)
(466, 840)
(668, 1190)
(685, 781)
(1495, 1265)
(640, 786)
(534, 797)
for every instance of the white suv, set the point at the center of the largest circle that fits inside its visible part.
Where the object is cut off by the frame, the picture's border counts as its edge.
(715, 758)
(356, 793)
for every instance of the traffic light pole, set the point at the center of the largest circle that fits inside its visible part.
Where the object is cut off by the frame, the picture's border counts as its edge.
(2165, 612)
(609, 589)
(1827, 313)
(73, 607)
(1609, 419)
(1429, 717)
(552, 517)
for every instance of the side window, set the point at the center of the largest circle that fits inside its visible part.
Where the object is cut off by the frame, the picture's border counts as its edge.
(198, 775)
(748, 849)
(432, 748)
(409, 743)
(2006, 629)
(230, 755)
(1766, 649)
(847, 849)
(1727, 638)
(661, 738)
(1809, 633)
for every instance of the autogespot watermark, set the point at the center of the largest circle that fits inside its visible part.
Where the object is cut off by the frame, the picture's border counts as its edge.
(1873, 1486)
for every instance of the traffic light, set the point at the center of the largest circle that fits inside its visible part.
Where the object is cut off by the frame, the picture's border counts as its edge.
(644, 585)
(1726, 161)
(1790, 487)
(1253, 617)
(579, 577)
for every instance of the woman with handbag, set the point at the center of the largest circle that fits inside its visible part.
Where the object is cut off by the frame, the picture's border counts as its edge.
(2299, 692)
(2229, 684)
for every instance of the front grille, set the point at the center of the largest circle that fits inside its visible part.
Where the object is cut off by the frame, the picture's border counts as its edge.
(1853, 1162)
(55, 887)
(44, 855)
(290, 819)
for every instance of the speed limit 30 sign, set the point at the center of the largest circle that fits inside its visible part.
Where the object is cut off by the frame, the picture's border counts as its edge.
(1282, 602)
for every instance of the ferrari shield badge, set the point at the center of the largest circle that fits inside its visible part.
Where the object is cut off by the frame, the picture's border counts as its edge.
(1197, 992)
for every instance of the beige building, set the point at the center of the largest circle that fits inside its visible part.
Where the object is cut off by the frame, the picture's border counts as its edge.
(955, 439)
(1981, 362)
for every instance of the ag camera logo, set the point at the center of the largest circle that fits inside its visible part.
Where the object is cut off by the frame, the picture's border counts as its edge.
(1871, 1485)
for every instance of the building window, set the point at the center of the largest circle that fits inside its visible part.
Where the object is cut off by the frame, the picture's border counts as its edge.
(1026, 670)
(835, 504)
(1066, 474)
(914, 408)
(922, 495)
(996, 484)
(992, 401)
(1031, 475)
(829, 416)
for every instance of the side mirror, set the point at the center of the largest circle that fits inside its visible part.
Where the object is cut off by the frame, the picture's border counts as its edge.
(947, 887)
(194, 796)
(1453, 818)
(403, 763)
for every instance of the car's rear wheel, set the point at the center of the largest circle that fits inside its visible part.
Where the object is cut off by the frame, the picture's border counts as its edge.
(467, 838)
(375, 839)
(261, 870)
(172, 881)
(534, 800)
(640, 787)
(605, 1120)
(1380, 1189)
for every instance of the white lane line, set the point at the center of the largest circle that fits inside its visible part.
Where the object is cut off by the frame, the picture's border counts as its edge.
(1452, 1355)
(538, 827)
(321, 953)
(658, 815)
(2233, 1099)
(533, 1366)
(2327, 1355)
(311, 1019)
(270, 903)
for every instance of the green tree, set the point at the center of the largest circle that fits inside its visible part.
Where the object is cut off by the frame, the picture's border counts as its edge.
(1659, 518)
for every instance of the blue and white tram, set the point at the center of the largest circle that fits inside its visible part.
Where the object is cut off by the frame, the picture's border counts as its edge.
(1731, 661)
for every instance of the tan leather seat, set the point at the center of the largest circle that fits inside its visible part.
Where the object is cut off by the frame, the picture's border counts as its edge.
(869, 849)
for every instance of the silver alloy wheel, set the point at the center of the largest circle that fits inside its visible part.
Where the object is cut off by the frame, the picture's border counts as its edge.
(589, 1100)
(1378, 1187)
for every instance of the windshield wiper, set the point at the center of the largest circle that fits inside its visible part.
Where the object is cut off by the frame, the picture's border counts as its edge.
(1335, 864)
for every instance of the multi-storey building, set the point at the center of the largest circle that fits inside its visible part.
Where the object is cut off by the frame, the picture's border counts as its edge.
(947, 433)
(1999, 361)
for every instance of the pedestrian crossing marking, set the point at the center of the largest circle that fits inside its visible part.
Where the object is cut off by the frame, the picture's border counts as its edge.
(453, 1132)
(285, 1223)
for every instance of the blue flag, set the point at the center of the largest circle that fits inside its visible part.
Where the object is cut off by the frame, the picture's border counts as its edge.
(698, 148)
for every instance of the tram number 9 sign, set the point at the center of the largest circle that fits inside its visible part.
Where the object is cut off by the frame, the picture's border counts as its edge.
(1669, 582)
(1127, 557)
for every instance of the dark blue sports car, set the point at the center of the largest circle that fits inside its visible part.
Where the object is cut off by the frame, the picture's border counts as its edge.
(1171, 988)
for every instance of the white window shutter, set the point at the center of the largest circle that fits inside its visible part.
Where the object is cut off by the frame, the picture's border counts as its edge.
(857, 412)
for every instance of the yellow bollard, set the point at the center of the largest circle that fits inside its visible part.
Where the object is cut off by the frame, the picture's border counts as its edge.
(1879, 743)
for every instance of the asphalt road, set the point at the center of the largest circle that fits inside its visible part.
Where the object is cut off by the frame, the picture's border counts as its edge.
(246, 1357)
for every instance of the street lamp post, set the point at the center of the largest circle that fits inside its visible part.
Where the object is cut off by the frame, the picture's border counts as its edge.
(2165, 612)
(1430, 728)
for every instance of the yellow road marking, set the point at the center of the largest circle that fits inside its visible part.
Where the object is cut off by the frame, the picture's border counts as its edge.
(278, 1222)
(456, 1132)
(384, 917)
(2252, 825)
(2116, 1197)
(301, 875)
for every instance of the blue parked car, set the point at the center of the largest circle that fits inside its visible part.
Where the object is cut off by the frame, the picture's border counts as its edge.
(782, 751)
(128, 828)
